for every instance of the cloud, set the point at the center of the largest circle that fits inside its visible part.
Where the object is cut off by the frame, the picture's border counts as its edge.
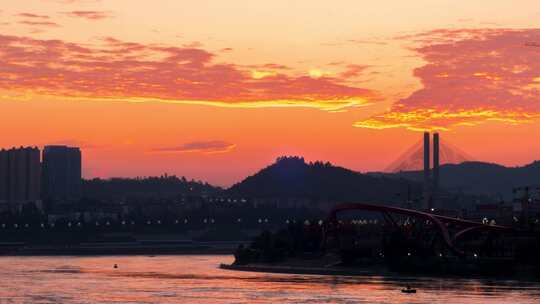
(129, 71)
(367, 41)
(35, 16)
(40, 23)
(89, 15)
(354, 70)
(205, 147)
(72, 1)
(471, 76)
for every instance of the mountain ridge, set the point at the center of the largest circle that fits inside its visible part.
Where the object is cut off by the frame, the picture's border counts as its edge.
(479, 178)
(293, 177)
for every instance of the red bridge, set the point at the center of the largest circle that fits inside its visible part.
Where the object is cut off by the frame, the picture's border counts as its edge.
(441, 224)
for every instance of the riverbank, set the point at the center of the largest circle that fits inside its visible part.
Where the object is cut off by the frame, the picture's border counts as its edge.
(377, 269)
(305, 270)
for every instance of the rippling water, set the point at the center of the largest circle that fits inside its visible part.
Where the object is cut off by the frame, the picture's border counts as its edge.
(188, 279)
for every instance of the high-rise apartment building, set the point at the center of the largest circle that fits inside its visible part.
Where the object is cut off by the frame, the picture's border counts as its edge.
(61, 173)
(20, 177)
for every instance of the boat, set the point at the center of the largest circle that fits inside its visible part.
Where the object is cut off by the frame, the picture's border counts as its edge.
(408, 290)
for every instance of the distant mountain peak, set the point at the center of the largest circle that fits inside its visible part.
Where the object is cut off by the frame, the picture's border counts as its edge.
(291, 176)
(289, 159)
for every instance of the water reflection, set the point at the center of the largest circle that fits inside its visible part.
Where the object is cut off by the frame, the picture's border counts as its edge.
(185, 279)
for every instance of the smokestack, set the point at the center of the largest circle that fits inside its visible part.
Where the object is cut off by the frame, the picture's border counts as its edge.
(436, 161)
(426, 160)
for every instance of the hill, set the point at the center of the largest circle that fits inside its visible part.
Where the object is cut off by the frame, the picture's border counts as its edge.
(293, 177)
(479, 178)
(147, 187)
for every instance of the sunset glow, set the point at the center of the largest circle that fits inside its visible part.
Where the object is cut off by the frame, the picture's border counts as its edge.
(214, 90)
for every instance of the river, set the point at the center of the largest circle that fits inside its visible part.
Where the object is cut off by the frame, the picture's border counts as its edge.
(197, 279)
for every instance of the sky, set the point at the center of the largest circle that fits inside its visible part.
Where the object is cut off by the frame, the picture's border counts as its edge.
(216, 90)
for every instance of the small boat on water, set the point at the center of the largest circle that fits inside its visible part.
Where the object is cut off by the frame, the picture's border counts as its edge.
(408, 290)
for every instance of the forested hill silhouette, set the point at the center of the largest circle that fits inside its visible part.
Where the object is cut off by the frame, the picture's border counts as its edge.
(165, 186)
(293, 177)
(481, 178)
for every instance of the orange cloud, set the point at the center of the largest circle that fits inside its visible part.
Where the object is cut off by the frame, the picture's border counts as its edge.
(90, 15)
(73, 1)
(30, 15)
(39, 23)
(205, 147)
(471, 76)
(354, 70)
(118, 70)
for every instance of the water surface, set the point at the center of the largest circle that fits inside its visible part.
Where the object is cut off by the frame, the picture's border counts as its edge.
(194, 278)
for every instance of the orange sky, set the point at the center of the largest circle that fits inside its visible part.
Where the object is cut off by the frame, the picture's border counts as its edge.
(214, 90)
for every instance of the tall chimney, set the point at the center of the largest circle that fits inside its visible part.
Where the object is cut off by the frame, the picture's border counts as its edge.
(426, 160)
(436, 161)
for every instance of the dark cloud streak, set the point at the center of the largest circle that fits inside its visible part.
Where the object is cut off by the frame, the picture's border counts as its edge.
(205, 147)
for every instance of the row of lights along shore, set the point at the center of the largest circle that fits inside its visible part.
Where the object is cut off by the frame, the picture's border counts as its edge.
(185, 221)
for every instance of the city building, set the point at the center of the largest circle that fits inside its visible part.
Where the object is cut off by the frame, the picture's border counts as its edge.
(20, 178)
(61, 173)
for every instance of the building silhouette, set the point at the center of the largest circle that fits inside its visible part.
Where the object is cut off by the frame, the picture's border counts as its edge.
(61, 173)
(20, 178)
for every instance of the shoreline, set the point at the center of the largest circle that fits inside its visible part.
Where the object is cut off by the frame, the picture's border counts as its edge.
(373, 271)
(303, 270)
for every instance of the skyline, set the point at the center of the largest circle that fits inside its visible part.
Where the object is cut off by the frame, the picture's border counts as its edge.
(215, 91)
